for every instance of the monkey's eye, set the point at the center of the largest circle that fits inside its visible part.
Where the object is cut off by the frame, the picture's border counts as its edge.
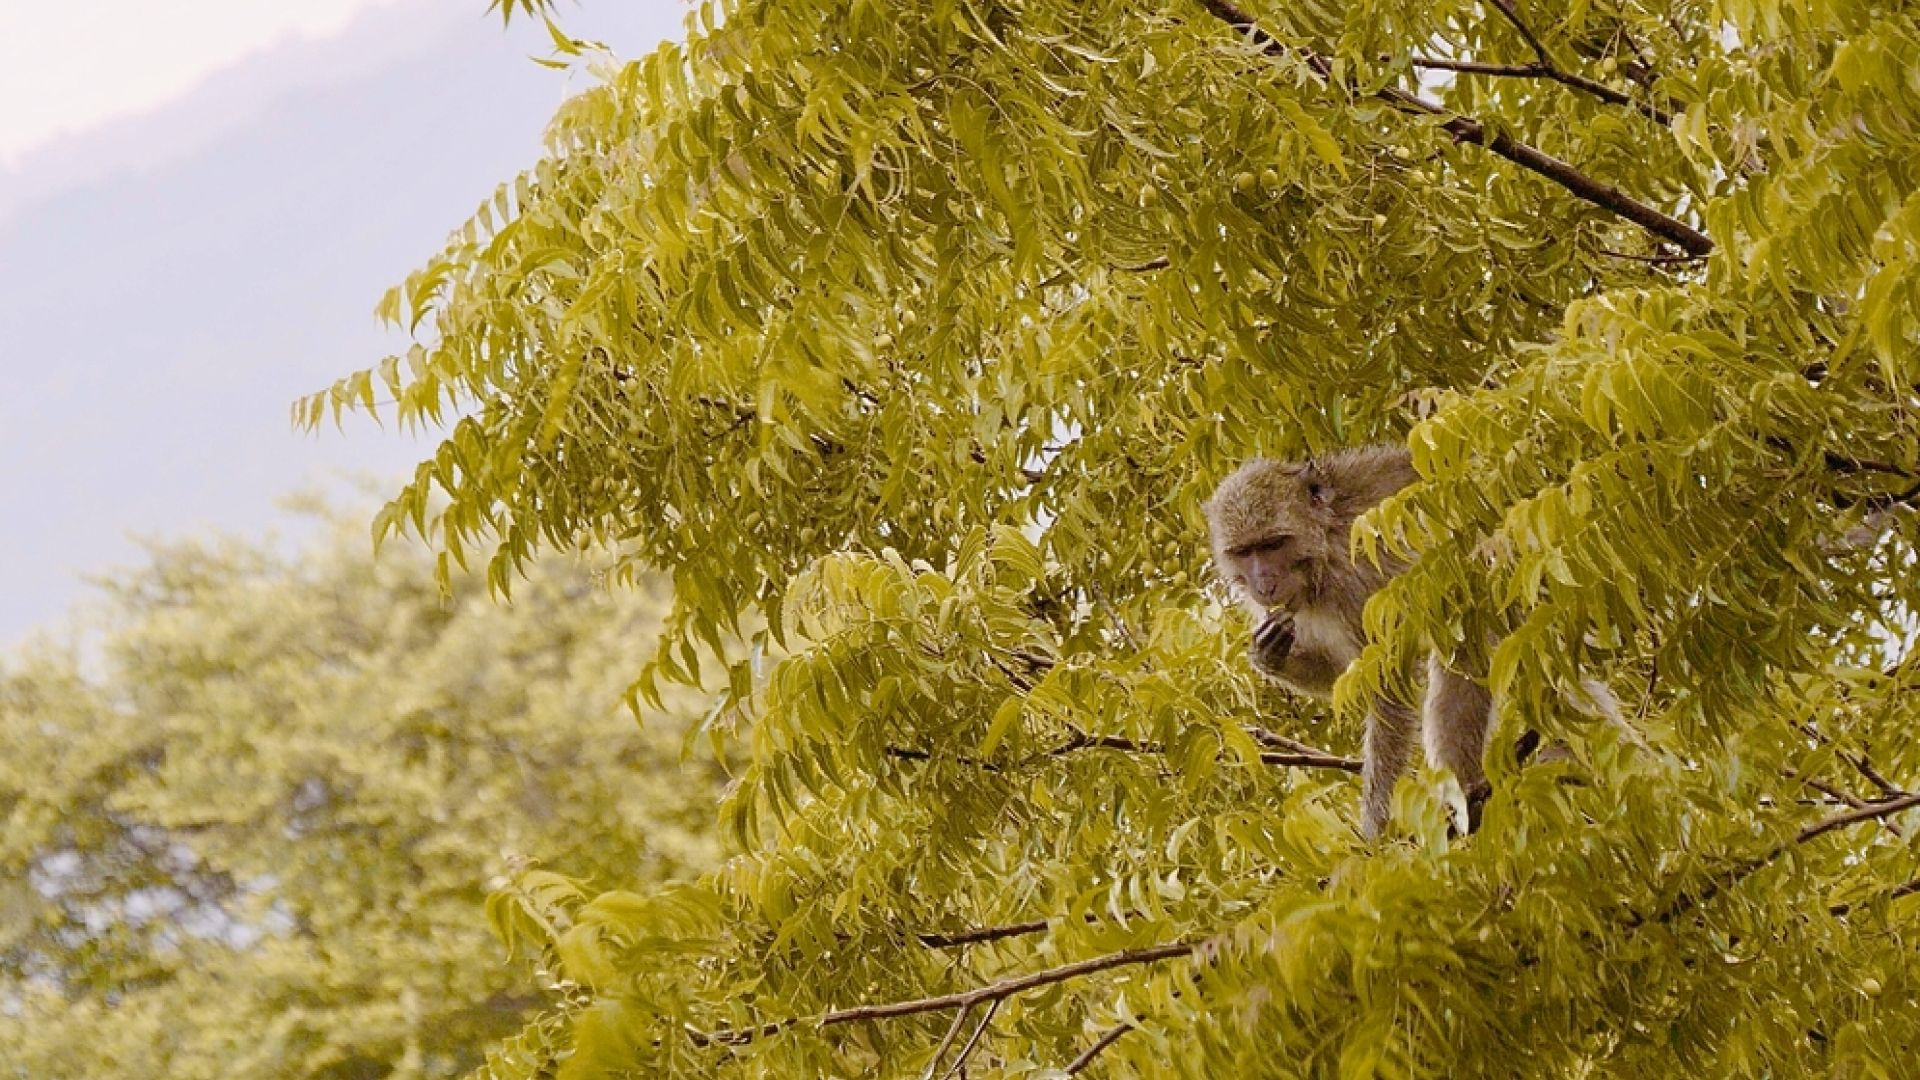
(1265, 546)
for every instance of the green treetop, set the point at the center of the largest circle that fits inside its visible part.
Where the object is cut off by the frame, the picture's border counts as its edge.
(252, 833)
(907, 339)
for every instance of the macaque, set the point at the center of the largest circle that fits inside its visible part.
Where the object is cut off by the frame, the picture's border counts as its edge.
(1280, 539)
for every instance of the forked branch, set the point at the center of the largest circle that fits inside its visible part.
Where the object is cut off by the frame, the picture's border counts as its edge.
(1873, 811)
(996, 991)
(1466, 129)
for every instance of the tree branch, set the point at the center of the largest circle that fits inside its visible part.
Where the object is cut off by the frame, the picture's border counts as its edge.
(1469, 130)
(1294, 752)
(1505, 7)
(1871, 812)
(1890, 895)
(1554, 71)
(1086, 1056)
(965, 999)
(953, 1031)
(1311, 761)
(1304, 757)
(1594, 87)
(1653, 260)
(960, 1062)
(975, 937)
(1859, 762)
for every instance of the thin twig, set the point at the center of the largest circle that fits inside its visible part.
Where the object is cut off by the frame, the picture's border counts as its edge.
(1890, 895)
(1113, 616)
(1839, 795)
(1553, 74)
(960, 1062)
(1266, 737)
(1865, 768)
(975, 937)
(1086, 1056)
(1567, 78)
(1655, 260)
(1478, 67)
(1305, 758)
(1293, 752)
(953, 1032)
(1466, 129)
(908, 753)
(1871, 812)
(993, 991)
(1312, 761)
(1505, 7)
(1859, 763)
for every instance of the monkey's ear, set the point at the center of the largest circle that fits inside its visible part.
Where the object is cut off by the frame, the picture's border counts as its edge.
(1318, 484)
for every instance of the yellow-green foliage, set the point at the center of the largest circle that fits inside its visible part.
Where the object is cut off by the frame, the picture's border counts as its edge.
(908, 336)
(251, 832)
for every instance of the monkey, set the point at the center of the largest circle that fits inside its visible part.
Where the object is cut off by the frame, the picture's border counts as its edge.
(1280, 540)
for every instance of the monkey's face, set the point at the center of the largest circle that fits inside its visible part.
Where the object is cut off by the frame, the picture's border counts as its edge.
(1270, 527)
(1271, 571)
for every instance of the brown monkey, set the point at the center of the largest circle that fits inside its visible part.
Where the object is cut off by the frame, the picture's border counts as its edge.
(1280, 539)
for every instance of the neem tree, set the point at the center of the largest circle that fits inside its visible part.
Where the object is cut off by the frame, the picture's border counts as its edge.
(249, 831)
(908, 337)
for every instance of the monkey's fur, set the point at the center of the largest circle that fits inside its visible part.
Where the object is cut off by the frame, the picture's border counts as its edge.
(1280, 539)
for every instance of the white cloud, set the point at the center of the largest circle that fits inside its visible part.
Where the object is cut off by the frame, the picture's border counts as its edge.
(69, 66)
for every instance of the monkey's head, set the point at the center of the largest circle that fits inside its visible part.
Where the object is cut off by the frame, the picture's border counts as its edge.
(1278, 538)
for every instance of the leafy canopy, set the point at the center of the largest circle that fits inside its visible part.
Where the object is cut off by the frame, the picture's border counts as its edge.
(251, 834)
(908, 337)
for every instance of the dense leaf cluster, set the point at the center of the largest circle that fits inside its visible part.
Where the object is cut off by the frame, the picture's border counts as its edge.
(908, 337)
(249, 831)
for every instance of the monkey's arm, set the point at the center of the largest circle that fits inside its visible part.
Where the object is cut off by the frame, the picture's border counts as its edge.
(1458, 714)
(1278, 651)
(1391, 729)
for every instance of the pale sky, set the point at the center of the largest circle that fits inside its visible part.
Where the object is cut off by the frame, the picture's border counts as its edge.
(70, 65)
(200, 202)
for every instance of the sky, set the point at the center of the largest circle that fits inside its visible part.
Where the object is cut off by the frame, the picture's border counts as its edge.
(67, 67)
(200, 203)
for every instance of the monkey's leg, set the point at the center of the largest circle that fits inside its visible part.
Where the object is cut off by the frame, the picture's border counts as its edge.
(1389, 742)
(1458, 712)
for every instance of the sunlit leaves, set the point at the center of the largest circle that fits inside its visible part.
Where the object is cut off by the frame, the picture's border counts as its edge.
(275, 794)
(908, 337)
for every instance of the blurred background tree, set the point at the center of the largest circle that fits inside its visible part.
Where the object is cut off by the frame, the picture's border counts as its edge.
(908, 337)
(251, 832)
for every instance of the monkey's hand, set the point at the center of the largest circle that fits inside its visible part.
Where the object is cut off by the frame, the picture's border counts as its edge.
(1273, 642)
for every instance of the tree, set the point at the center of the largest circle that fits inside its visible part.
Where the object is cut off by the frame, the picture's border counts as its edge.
(908, 337)
(251, 834)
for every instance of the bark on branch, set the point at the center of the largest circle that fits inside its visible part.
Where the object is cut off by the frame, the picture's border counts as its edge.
(984, 934)
(1873, 811)
(1086, 1057)
(1546, 71)
(998, 990)
(1289, 753)
(1466, 129)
